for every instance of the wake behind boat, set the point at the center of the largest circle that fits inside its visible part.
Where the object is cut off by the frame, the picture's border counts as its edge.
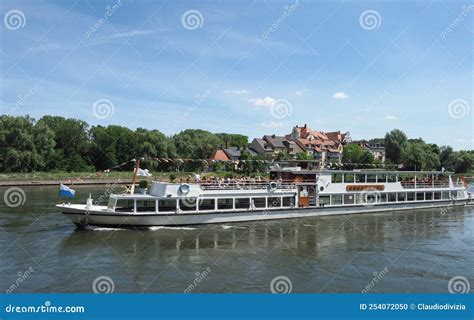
(291, 193)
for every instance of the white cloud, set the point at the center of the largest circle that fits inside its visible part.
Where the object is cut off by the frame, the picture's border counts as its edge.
(271, 124)
(131, 34)
(236, 92)
(340, 96)
(299, 92)
(263, 102)
(390, 117)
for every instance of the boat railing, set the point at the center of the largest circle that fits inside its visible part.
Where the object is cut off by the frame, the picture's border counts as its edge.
(248, 185)
(424, 185)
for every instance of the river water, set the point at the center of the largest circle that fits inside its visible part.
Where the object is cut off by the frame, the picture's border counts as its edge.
(415, 251)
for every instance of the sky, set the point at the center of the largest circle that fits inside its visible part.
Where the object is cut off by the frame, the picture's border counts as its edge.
(248, 67)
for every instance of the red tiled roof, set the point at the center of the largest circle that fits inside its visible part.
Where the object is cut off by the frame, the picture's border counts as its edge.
(220, 155)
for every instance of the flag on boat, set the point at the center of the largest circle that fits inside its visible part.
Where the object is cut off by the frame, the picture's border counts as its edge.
(143, 173)
(65, 191)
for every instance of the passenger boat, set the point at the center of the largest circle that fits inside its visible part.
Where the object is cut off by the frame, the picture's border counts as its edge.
(291, 193)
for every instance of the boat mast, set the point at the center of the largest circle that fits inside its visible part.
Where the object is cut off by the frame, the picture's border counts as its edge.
(134, 178)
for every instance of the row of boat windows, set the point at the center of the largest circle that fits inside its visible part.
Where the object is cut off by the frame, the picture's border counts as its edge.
(362, 198)
(195, 204)
(369, 178)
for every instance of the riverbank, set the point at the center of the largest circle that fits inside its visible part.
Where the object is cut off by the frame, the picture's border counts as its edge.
(88, 178)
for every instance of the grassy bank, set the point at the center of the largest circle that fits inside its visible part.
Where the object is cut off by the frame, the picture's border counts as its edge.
(61, 175)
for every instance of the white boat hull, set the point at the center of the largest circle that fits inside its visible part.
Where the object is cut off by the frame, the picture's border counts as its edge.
(99, 216)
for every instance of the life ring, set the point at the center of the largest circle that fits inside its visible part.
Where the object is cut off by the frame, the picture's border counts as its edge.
(272, 186)
(184, 188)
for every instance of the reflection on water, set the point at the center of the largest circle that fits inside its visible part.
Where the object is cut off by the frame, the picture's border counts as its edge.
(420, 249)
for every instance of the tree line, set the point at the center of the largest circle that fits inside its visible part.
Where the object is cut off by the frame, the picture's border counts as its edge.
(55, 143)
(412, 154)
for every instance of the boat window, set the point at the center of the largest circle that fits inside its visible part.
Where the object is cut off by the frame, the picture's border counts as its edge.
(225, 204)
(429, 196)
(111, 204)
(391, 178)
(381, 178)
(402, 197)
(124, 205)
(188, 204)
(392, 197)
(445, 195)
(420, 196)
(410, 196)
(349, 199)
(166, 205)
(146, 205)
(242, 203)
(259, 202)
(288, 201)
(274, 202)
(371, 178)
(336, 199)
(336, 177)
(360, 178)
(437, 195)
(207, 204)
(349, 177)
(383, 197)
(460, 194)
(324, 201)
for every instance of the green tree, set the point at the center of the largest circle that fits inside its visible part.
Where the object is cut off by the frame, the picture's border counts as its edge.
(282, 156)
(71, 143)
(395, 142)
(460, 162)
(445, 152)
(353, 155)
(24, 146)
(195, 144)
(113, 145)
(233, 140)
(305, 156)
